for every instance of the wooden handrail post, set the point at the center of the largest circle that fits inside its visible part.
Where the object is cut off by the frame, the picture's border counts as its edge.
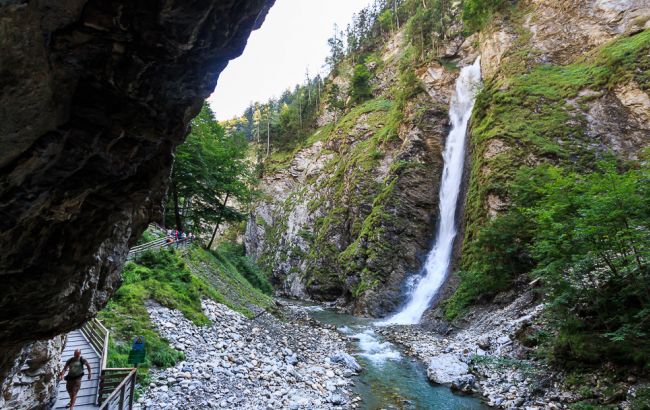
(132, 392)
(122, 397)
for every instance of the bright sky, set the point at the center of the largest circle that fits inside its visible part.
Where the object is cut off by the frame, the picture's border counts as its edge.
(292, 39)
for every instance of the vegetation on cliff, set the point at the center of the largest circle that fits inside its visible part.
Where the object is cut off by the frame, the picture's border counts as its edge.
(580, 225)
(359, 110)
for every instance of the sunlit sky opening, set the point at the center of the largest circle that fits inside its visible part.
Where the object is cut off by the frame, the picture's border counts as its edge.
(292, 39)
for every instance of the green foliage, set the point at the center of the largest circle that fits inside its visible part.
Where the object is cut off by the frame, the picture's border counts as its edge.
(426, 29)
(178, 283)
(148, 236)
(529, 117)
(160, 276)
(210, 168)
(592, 245)
(282, 123)
(235, 253)
(220, 270)
(360, 86)
(477, 13)
(587, 236)
(642, 399)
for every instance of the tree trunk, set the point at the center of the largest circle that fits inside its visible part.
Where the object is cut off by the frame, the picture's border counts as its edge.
(395, 11)
(177, 211)
(216, 227)
(268, 135)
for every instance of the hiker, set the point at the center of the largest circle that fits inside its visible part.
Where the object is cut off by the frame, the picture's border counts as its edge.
(75, 367)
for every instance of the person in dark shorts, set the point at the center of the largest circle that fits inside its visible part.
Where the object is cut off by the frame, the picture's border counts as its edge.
(75, 367)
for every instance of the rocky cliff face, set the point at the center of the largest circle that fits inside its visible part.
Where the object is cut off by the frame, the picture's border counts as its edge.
(544, 100)
(95, 96)
(337, 224)
(351, 215)
(34, 376)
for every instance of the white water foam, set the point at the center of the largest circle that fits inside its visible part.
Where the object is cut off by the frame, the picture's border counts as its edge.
(436, 266)
(373, 349)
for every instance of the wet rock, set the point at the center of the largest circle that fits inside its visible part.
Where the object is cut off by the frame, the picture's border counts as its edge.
(347, 360)
(466, 384)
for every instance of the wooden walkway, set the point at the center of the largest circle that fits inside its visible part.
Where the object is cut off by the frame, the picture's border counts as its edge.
(88, 394)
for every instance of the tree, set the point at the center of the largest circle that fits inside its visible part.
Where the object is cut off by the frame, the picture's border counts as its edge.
(333, 100)
(257, 119)
(360, 87)
(210, 170)
(336, 49)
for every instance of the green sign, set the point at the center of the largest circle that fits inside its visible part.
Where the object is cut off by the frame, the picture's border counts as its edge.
(137, 353)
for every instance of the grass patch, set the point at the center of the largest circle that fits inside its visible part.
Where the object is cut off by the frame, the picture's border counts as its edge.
(220, 269)
(178, 283)
(161, 276)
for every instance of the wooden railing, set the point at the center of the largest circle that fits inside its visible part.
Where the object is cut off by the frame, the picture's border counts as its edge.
(157, 244)
(97, 335)
(117, 388)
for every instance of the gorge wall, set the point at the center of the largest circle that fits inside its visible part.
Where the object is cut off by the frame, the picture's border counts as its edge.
(350, 214)
(95, 97)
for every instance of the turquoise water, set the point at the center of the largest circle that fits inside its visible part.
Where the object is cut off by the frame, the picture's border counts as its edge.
(390, 379)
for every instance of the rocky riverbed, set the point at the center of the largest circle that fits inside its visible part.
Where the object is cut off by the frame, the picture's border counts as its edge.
(486, 359)
(260, 363)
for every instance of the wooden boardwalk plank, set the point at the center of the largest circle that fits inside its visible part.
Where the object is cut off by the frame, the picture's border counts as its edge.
(88, 392)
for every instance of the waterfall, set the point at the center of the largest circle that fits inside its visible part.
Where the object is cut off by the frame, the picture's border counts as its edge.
(437, 263)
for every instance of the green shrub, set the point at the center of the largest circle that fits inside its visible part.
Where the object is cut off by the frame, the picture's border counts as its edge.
(360, 86)
(236, 254)
(161, 276)
(477, 13)
(642, 399)
(587, 236)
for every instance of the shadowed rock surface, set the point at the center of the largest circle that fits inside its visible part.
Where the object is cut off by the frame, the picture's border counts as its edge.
(95, 96)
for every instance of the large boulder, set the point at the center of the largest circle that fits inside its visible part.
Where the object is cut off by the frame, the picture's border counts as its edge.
(446, 368)
(347, 360)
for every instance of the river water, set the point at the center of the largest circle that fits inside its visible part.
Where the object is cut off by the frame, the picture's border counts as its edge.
(390, 379)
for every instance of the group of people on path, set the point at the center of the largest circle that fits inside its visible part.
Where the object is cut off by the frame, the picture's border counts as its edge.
(174, 235)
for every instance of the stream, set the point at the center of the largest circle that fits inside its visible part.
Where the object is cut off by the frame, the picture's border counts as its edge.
(390, 379)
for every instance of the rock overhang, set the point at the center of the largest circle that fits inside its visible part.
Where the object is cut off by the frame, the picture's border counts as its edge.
(95, 97)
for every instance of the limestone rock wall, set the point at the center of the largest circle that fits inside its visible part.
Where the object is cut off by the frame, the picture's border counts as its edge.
(352, 215)
(33, 384)
(95, 96)
(310, 230)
